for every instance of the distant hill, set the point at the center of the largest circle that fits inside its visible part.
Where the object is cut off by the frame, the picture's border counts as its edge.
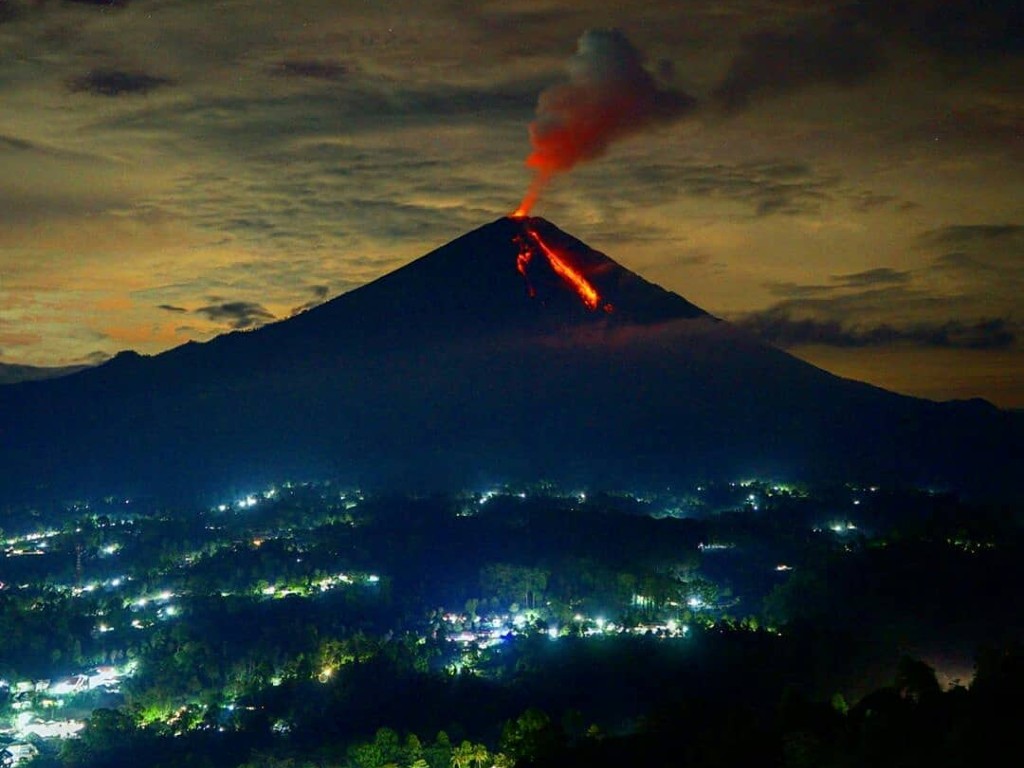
(12, 374)
(512, 352)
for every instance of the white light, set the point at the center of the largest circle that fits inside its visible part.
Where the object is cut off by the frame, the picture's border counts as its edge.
(553, 633)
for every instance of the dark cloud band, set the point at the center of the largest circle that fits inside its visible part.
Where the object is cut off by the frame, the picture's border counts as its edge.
(113, 82)
(779, 327)
(237, 314)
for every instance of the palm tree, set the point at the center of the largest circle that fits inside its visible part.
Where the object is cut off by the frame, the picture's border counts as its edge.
(463, 755)
(480, 755)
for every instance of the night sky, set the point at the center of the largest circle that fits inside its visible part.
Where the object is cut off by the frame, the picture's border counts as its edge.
(845, 179)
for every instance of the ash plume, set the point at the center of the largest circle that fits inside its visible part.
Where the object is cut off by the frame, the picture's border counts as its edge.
(609, 95)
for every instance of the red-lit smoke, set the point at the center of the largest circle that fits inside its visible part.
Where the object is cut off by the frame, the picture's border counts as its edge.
(609, 95)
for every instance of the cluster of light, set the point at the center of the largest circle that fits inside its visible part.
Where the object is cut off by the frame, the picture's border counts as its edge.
(160, 597)
(329, 582)
(70, 686)
(107, 676)
(51, 729)
(842, 527)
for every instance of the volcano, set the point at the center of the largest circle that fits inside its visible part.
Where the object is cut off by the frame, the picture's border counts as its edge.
(514, 352)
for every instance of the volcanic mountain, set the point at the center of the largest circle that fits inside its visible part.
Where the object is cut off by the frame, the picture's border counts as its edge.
(513, 352)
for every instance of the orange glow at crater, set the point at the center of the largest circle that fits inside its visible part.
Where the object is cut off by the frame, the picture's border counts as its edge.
(587, 293)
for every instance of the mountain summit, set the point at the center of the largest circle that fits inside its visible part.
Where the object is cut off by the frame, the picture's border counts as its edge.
(512, 352)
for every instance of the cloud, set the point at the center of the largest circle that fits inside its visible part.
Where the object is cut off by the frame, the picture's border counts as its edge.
(957, 28)
(767, 187)
(237, 314)
(988, 256)
(836, 50)
(14, 143)
(872, 277)
(973, 234)
(107, 3)
(171, 308)
(967, 297)
(864, 201)
(849, 43)
(311, 68)
(94, 358)
(114, 82)
(777, 325)
(319, 295)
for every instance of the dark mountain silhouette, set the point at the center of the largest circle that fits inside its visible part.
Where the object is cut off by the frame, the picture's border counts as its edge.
(12, 373)
(459, 368)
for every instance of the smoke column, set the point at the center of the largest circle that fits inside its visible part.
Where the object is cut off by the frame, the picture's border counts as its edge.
(609, 95)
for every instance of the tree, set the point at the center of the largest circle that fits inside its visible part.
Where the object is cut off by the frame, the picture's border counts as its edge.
(462, 755)
(529, 736)
(480, 755)
(915, 680)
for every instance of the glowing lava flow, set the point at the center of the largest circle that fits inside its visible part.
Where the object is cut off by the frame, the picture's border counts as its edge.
(587, 293)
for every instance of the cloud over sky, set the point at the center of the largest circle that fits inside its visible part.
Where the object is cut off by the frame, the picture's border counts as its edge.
(852, 166)
(237, 314)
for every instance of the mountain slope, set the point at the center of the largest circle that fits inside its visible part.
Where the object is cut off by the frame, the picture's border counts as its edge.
(11, 373)
(514, 351)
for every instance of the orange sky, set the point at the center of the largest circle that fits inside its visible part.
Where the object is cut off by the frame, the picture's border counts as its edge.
(850, 185)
